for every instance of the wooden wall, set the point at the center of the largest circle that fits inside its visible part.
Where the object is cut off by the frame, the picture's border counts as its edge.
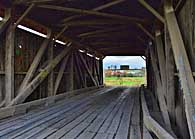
(175, 102)
(26, 48)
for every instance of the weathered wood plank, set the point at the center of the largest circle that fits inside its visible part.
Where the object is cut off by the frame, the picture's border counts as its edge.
(161, 59)
(45, 113)
(182, 64)
(170, 69)
(60, 74)
(123, 130)
(160, 93)
(22, 108)
(135, 132)
(82, 126)
(87, 68)
(9, 64)
(146, 134)
(24, 14)
(152, 10)
(46, 120)
(79, 69)
(70, 79)
(71, 125)
(98, 122)
(50, 87)
(39, 78)
(150, 123)
(35, 63)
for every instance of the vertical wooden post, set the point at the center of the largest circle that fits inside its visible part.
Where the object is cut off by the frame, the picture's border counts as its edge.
(87, 69)
(94, 66)
(161, 59)
(70, 80)
(80, 73)
(1, 89)
(170, 70)
(39, 78)
(35, 63)
(97, 66)
(60, 74)
(148, 69)
(160, 93)
(182, 64)
(101, 71)
(9, 64)
(51, 75)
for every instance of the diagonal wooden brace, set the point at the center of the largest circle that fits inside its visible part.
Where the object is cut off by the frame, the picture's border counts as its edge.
(39, 78)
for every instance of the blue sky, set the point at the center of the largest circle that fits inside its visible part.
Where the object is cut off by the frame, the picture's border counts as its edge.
(132, 61)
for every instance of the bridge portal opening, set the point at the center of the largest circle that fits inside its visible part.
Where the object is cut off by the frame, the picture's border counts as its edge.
(124, 70)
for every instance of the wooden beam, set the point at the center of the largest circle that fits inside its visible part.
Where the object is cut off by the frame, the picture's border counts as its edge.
(119, 47)
(117, 34)
(94, 22)
(152, 10)
(101, 71)
(97, 68)
(87, 69)
(161, 59)
(107, 5)
(100, 31)
(160, 92)
(70, 79)
(44, 29)
(61, 32)
(24, 73)
(170, 69)
(146, 31)
(6, 20)
(150, 123)
(39, 78)
(50, 86)
(179, 5)
(32, 1)
(182, 64)
(9, 64)
(24, 14)
(91, 12)
(78, 45)
(110, 43)
(94, 69)
(60, 74)
(80, 71)
(36, 61)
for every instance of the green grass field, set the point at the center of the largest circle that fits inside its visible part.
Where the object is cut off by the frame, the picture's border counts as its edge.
(124, 81)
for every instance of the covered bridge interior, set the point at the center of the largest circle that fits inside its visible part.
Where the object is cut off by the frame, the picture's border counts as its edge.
(51, 69)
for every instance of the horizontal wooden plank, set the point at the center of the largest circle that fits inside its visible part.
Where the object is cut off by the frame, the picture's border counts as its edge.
(23, 108)
(150, 123)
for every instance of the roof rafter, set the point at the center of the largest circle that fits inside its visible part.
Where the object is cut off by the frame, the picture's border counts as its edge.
(96, 9)
(152, 10)
(24, 14)
(100, 31)
(32, 1)
(91, 12)
(119, 47)
(94, 22)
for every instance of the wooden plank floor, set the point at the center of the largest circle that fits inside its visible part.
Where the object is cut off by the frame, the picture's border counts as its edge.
(101, 115)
